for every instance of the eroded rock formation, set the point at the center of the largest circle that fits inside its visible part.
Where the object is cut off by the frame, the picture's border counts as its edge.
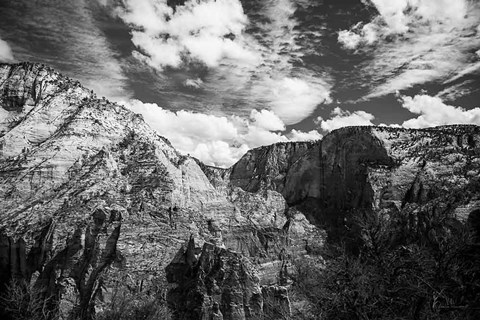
(67, 156)
(217, 283)
(71, 279)
(360, 169)
(64, 154)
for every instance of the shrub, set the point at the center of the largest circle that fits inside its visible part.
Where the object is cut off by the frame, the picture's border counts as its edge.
(139, 307)
(23, 301)
(136, 303)
(432, 272)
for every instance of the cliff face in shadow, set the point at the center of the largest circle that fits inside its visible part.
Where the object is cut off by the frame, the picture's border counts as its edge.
(74, 167)
(362, 169)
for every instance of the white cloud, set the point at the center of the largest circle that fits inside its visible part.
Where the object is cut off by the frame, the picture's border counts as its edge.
(158, 53)
(198, 30)
(185, 123)
(256, 137)
(6, 54)
(472, 68)
(360, 34)
(279, 26)
(404, 80)
(218, 153)
(433, 112)
(349, 39)
(467, 68)
(296, 135)
(292, 92)
(256, 69)
(293, 99)
(216, 140)
(453, 92)
(400, 16)
(341, 118)
(414, 42)
(193, 83)
(267, 120)
(393, 14)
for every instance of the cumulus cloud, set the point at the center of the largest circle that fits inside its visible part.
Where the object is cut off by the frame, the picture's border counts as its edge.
(256, 137)
(267, 120)
(294, 99)
(217, 140)
(433, 111)
(402, 16)
(414, 42)
(296, 135)
(360, 34)
(6, 54)
(343, 118)
(206, 31)
(218, 153)
(349, 39)
(256, 67)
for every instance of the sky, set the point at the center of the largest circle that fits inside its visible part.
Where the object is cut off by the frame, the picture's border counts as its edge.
(220, 77)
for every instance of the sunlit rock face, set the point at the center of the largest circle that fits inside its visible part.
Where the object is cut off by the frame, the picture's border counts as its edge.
(86, 182)
(66, 155)
(352, 174)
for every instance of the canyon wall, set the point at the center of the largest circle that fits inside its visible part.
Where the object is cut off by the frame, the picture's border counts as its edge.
(87, 185)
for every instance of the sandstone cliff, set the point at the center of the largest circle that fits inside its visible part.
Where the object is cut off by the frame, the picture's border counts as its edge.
(66, 155)
(86, 185)
(366, 169)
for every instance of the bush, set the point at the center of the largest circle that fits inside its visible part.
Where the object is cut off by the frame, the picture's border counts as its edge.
(136, 303)
(140, 307)
(429, 269)
(25, 302)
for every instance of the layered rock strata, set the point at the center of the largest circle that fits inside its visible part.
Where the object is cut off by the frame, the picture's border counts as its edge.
(66, 155)
(364, 169)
